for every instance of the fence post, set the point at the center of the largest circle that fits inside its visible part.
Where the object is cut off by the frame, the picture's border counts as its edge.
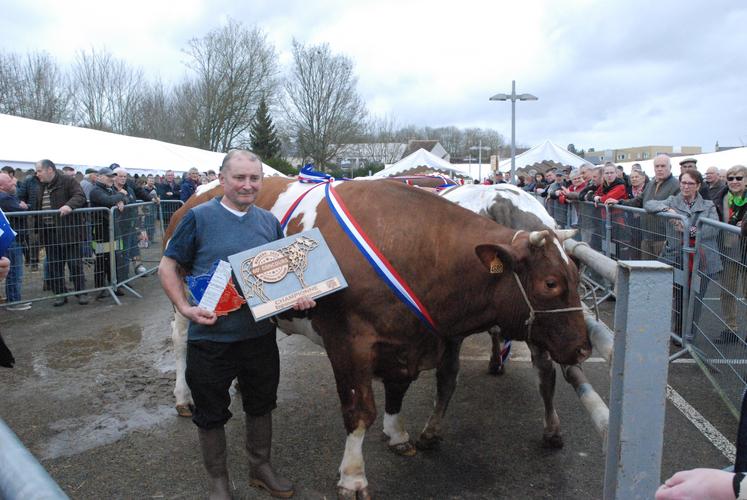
(637, 402)
(608, 231)
(21, 476)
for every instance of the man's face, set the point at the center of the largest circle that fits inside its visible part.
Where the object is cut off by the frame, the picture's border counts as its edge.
(150, 181)
(241, 180)
(7, 183)
(662, 168)
(550, 177)
(211, 176)
(70, 172)
(120, 179)
(636, 178)
(194, 177)
(596, 177)
(105, 180)
(44, 174)
(620, 174)
(586, 173)
(169, 176)
(610, 174)
(711, 175)
(686, 167)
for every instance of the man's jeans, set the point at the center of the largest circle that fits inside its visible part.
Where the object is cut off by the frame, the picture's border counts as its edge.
(15, 277)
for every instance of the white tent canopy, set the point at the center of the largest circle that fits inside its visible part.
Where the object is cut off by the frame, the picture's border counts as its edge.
(547, 151)
(721, 160)
(25, 141)
(421, 158)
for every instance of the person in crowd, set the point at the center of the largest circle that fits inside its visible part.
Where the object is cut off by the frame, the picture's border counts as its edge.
(663, 186)
(9, 202)
(149, 212)
(559, 182)
(189, 186)
(169, 189)
(68, 170)
(6, 357)
(211, 175)
(690, 164)
(126, 222)
(104, 195)
(715, 186)
(722, 175)
(690, 204)
(499, 177)
(88, 182)
(638, 181)
(733, 202)
(220, 349)
(591, 224)
(62, 235)
(25, 191)
(625, 178)
(613, 187)
(570, 192)
(538, 185)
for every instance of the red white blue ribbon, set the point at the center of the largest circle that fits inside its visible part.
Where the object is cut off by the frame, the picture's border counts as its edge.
(286, 218)
(378, 261)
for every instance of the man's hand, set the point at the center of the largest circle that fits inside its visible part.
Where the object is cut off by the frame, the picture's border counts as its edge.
(199, 315)
(4, 267)
(611, 201)
(697, 483)
(304, 303)
(23, 205)
(120, 206)
(65, 210)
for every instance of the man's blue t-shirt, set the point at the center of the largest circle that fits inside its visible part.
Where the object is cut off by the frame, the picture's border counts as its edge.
(209, 232)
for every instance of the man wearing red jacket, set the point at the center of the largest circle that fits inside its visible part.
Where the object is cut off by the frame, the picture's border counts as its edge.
(614, 188)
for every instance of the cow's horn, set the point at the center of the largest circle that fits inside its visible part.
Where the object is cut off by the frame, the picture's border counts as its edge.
(565, 234)
(537, 238)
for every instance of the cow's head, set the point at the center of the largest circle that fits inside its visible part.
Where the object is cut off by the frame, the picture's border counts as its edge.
(550, 279)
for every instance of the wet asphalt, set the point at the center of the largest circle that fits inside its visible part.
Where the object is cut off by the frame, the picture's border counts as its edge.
(91, 397)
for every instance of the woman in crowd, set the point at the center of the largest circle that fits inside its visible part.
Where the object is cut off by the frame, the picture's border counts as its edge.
(733, 202)
(613, 187)
(691, 205)
(637, 185)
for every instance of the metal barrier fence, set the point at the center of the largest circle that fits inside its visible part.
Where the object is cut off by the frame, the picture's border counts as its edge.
(89, 250)
(709, 310)
(21, 475)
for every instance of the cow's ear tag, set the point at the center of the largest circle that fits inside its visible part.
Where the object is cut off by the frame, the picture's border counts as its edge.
(496, 266)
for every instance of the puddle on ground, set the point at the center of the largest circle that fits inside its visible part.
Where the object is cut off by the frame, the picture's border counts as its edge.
(77, 435)
(75, 353)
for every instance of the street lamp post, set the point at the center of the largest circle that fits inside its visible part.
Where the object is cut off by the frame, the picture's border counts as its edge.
(479, 156)
(513, 98)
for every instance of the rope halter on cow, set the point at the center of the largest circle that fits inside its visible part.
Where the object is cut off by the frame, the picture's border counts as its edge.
(537, 239)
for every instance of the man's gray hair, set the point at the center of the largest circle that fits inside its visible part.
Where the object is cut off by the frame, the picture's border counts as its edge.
(239, 152)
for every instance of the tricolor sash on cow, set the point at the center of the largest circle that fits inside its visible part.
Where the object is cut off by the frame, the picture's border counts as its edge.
(378, 261)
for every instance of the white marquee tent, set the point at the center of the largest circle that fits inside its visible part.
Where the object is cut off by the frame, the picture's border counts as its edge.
(421, 158)
(548, 151)
(26, 141)
(722, 160)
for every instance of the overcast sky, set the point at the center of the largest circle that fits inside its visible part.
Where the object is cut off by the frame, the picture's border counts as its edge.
(608, 74)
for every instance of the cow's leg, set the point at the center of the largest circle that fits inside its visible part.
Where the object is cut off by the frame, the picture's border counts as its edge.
(546, 371)
(353, 375)
(446, 378)
(496, 366)
(394, 426)
(184, 403)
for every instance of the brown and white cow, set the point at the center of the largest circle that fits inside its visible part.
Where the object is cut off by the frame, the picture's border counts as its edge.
(468, 272)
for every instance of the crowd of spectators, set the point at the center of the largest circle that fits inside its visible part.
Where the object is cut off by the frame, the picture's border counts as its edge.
(59, 245)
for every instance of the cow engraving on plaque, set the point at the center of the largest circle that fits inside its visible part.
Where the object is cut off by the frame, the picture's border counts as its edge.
(271, 266)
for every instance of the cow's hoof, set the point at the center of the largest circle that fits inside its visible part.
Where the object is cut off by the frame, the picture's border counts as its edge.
(429, 442)
(406, 449)
(346, 494)
(185, 410)
(554, 441)
(495, 368)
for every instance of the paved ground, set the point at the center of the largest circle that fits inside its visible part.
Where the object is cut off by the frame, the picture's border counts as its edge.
(91, 398)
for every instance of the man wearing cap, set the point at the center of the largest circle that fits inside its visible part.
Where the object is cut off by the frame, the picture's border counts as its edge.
(104, 195)
(61, 233)
(68, 170)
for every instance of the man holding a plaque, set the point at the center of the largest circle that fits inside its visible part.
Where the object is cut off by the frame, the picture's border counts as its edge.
(229, 344)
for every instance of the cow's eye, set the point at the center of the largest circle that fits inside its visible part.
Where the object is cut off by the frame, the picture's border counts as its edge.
(551, 283)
